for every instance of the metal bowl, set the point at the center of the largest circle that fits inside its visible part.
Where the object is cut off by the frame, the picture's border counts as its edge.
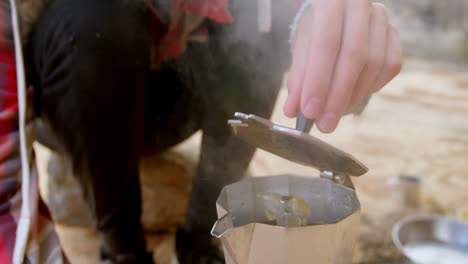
(432, 239)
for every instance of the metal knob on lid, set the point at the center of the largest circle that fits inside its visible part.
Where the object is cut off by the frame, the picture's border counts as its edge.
(303, 123)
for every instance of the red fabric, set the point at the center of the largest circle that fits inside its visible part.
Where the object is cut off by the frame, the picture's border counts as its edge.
(216, 10)
(4, 257)
(186, 17)
(9, 97)
(186, 24)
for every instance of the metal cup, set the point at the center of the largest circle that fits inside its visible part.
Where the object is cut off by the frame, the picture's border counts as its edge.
(432, 239)
(406, 189)
(249, 238)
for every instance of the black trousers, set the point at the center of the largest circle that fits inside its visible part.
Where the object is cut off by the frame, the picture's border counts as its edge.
(89, 62)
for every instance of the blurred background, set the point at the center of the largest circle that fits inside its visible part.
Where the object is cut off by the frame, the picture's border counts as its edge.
(432, 29)
(417, 127)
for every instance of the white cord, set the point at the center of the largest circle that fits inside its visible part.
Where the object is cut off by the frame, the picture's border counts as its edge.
(24, 222)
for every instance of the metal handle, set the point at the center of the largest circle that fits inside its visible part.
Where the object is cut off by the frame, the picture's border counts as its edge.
(303, 123)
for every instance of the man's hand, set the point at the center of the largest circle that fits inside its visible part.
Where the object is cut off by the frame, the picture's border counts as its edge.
(343, 50)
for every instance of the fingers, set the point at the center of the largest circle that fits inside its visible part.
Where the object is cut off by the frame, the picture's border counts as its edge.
(349, 65)
(343, 51)
(325, 41)
(392, 65)
(296, 74)
(378, 35)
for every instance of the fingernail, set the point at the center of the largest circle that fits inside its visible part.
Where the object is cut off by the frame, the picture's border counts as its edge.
(328, 123)
(312, 108)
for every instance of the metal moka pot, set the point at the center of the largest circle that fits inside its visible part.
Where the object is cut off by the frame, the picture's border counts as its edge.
(248, 233)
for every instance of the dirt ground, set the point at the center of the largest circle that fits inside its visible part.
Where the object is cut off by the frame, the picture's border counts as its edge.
(417, 125)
